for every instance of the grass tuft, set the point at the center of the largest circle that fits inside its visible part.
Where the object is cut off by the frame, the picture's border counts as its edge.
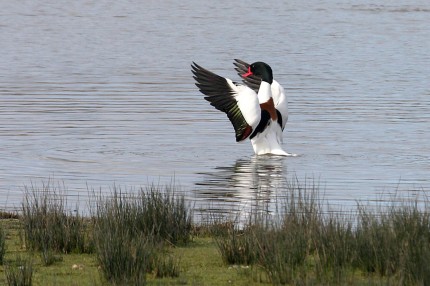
(130, 231)
(304, 242)
(49, 227)
(395, 242)
(164, 215)
(287, 240)
(2, 245)
(19, 272)
(166, 266)
(237, 246)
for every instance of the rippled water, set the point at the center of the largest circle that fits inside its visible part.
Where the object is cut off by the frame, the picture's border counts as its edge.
(99, 93)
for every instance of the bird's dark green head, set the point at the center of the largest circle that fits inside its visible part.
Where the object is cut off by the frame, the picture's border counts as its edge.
(262, 70)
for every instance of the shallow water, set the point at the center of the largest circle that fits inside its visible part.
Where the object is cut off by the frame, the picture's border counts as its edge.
(99, 93)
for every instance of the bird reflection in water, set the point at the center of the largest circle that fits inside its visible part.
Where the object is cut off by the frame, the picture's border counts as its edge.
(248, 186)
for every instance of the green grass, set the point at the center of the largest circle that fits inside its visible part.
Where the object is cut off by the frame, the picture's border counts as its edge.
(130, 232)
(200, 264)
(303, 244)
(236, 245)
(148, 238)
(48, 225)
(2, 245)
(396, 242)
(19, 272)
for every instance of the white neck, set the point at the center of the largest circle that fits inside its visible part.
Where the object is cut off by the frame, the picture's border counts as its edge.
(264, 92)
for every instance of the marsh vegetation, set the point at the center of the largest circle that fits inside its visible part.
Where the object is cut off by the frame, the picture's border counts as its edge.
(149, 237)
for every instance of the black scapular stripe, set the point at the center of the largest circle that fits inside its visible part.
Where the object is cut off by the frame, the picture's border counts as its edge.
(279, 118)
(264, 122)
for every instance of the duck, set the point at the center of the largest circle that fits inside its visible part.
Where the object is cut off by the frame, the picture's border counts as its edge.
(257, 109)
(278, 92)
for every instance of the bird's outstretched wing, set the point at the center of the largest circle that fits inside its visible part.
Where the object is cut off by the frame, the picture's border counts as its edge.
(239, 102)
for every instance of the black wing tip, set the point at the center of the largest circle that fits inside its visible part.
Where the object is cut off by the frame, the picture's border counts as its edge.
(195, 67)
(199, 70)
(240, 67)
(239, 61)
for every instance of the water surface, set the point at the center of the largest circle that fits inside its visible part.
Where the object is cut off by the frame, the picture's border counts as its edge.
(99, 93)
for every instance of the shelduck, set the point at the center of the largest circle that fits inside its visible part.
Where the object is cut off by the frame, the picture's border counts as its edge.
(258, 109)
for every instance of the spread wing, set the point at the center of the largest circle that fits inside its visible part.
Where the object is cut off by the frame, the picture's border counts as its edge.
(252, 81)
(239, 102)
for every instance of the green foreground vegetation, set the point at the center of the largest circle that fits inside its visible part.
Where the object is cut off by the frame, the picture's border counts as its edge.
(149, 238)
(200, 264)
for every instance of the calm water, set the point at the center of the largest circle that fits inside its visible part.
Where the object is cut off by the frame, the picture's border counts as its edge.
(99, 93)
